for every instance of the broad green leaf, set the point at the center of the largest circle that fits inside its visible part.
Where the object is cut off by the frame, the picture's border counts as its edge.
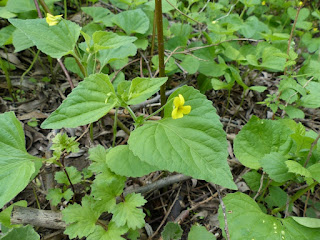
(308, 222)
(122, 161)
(25, 233)
(295, 167)
(55, 195)
(109, 40)
(294, 112)
(72, 66)
(212, 69)
(93, 98)
(274, 164)
(190, 64)
(20, 6)
(107, 55)
(247, 221)
(114, 232)
(127, 213)
(132, 21)
(194, 145)
(17, 166)
(81, 220)
(260, 137)
(99, 15)
(5, 215)
(74, 175)
(200, 232)
(172, 231)
(56, 41)
(20, 41)
(258, 88)
(4, 13)
(315, 171)
(143, 88)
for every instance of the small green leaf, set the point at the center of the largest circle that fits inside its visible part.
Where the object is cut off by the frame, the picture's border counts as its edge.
(200, 232)
(56, 41)
(109, 40)
(253, 179)
(132, 21)
(295, 167)
(172, 231)
(122, 161)
(274, 164)
(81, 220)
(25, 233)
(260, 137)
(74, 174)
(17, 166)
(127, 212)
(99, 15)
(113, 233)
(98, 156)
(55, 195)
(276, 197)
(6, 35)
(143, 88)
(85, 104)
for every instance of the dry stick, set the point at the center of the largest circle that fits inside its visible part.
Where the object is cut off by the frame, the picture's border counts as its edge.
(53, 219)
(261, 185)
(166, 216)
(306, 204)
(310, 151)
(226, 229)
(158, 16)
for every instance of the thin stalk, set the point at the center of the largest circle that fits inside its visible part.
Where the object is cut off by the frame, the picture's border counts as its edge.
(295, 197)
(115, 127)
(38, 8)
(78, 61)
(228, 102)
(134, 117)
(91, 131)
(158, 15)
(159, 110)
(45, 7)
(65, 9)
(6, 73)
(242, 100)
(30, 67)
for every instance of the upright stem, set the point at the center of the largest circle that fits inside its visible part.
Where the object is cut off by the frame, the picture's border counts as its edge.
(45, 7)
(6, 73)
(158, 15)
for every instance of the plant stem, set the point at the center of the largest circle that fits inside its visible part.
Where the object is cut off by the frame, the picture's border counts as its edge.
(45, 7)
(65, 9)
(158, 15)
(159, 110)
(134, 117)
(115, 127)
(30, 67)
(38, 9)
(6, 73)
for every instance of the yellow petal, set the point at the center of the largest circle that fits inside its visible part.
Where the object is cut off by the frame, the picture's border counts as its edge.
(176, 102)
(186, 109)
(53, 20)
(181, 99)
(176, 113)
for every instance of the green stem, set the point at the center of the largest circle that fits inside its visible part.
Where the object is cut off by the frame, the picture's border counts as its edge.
(45, 7)
(158, 15)
(159, 110)
(115, 127)
(242, 100)
(243, 11)
(134, 117)
(6, 73)
(65, 9)
(82, 68)
(295, 197)
(30, 67)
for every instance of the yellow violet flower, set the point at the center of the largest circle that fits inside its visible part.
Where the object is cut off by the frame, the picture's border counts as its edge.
(179, 109)
(53, 20)
(263, 3)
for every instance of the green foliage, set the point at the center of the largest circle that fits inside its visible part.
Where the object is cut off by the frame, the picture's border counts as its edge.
(55, 195)
(26, 233)
(172, 231)
(15, 162)
(55, 41)
(247, 221)
(6, 213)
(74, 174)
(200, 232)
(127, 213)
(194, 145)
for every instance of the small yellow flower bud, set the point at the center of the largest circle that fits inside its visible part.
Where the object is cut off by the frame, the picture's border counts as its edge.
(214, 22)
(263, 3)
(53, 20)
(300, 3)
(315, 29)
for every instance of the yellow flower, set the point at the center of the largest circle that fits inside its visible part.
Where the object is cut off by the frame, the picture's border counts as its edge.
(300, 3)
(179, 109)
(263, 3)
(53, 20)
